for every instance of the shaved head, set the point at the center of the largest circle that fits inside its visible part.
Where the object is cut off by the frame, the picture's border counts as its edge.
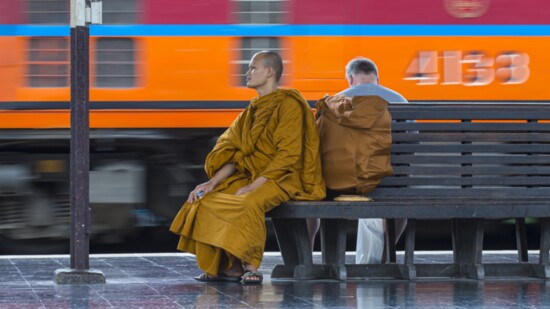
(271, 60)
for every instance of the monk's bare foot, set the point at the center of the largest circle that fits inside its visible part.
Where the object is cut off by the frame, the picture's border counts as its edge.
(235, 271)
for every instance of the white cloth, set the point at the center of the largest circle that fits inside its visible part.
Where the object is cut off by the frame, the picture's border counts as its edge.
(370, 241)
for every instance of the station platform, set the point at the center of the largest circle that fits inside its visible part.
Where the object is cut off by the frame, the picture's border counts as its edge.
(165, 280)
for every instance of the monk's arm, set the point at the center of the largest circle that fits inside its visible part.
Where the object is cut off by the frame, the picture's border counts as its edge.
(251, 187)
(224, 172)
(200, 190)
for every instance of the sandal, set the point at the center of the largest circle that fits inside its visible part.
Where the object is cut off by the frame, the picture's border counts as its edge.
(204, 277)
(245, 278)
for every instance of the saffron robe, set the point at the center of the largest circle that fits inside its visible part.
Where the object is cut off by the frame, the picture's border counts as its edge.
(356, 141)
(274, 137)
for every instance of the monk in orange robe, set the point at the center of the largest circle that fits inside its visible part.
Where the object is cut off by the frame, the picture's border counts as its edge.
(269, 155)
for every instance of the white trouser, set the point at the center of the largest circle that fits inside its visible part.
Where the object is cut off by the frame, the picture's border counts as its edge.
(370, 241)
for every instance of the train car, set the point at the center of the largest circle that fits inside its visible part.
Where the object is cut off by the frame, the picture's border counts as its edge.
(167, 77)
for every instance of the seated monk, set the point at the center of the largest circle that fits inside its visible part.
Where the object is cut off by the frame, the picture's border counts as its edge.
(269, 155)
(355, 131)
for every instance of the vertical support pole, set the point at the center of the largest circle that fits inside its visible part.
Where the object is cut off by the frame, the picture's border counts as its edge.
(80, 151)
(80, 148)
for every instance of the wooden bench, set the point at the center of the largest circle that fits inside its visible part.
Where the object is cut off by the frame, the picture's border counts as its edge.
(465, 163)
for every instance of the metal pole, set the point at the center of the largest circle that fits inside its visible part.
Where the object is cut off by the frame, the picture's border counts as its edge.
(80, 150)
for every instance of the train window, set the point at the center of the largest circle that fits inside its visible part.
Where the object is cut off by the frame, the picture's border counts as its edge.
(250, 46)
(259, 11)
(115, 63)
(58, 11)
(48, 62)
(120, 11)
(48, 11)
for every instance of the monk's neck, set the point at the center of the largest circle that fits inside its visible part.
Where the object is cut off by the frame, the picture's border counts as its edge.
(267, 89)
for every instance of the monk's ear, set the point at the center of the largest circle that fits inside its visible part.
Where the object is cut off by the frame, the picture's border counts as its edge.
(270, 72)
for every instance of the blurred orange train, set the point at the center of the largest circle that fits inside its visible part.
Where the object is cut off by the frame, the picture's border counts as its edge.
(167, 78)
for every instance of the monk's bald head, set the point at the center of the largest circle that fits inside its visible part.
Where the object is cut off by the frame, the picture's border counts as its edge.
(271, 60)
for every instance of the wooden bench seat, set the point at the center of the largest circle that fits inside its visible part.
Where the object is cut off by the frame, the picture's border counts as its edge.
(465, 163)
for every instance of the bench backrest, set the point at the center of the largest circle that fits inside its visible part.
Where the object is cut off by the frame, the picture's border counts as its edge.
(472, 151)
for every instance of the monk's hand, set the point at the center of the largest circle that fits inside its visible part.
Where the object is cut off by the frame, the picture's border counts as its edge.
(253, 186)
(200, 191)
(245, 190)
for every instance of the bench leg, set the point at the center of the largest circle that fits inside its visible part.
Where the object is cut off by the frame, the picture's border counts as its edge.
(542, 270)
(521, 240)
(333, 246)
(408, 270)
(293, 240)
(468, 247)
(390, 241)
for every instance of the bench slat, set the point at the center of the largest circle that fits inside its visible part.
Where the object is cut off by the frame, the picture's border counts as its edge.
(469, 127)
(466, 181)
(447, 208)
(471, 137)
(432, 191)
(471, 170)
(470, 111)
(454, 148)
(469, 159)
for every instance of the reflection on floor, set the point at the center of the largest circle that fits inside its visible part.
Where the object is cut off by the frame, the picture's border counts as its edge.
(166, 281)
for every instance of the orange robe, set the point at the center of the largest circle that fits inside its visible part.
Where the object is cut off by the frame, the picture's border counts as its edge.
(274, 137)
(356, 142)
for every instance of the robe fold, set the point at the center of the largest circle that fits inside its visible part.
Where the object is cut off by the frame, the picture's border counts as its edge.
(274, 137)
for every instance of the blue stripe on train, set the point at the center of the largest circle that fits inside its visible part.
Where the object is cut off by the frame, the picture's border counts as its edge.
(284, 30)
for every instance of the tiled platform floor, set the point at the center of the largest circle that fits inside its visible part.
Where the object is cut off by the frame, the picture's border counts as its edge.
(166, 281)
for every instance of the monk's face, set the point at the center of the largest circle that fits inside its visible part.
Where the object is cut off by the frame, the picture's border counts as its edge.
(258, 74)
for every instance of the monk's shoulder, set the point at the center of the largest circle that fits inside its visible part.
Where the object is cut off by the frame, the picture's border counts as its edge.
(289, 104)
